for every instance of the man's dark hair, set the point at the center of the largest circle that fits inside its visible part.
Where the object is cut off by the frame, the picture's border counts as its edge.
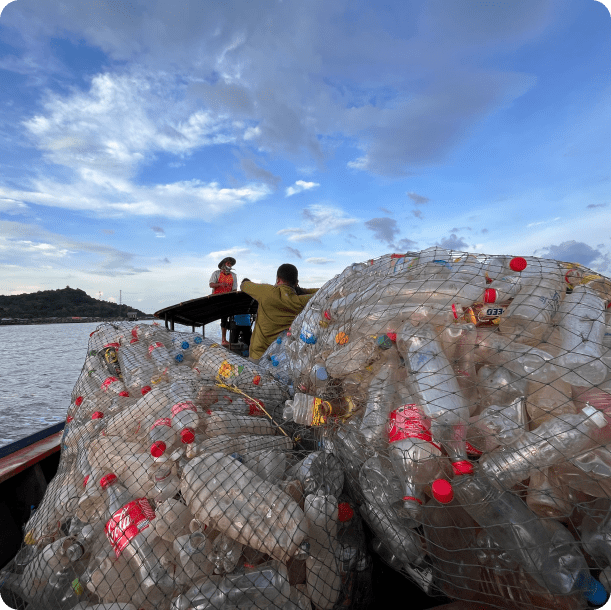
(288, 273)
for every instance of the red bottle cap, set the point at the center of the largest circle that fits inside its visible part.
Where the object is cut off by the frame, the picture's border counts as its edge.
(256, 379)
(442, 491)
(124, 393)
(145, 390)
(490, 295)
(327, 315)
(105, 481)
(392, 336)
(462, 467)
(97, 415)
(187, 436)
(344, 512)
(69, 419)
(135, 340)
(79, 401)
(517, 263)
(158, 449)
(85, 481)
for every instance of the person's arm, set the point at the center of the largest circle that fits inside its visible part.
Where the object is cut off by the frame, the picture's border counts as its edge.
(214, 283)
(256, 291)
(234, 284)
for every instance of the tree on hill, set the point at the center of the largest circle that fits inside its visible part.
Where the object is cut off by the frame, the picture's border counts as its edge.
(60, 303)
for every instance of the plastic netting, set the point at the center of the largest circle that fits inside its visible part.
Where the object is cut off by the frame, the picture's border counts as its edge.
(447, 412)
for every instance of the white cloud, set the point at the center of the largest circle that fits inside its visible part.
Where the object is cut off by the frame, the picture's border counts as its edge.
(271, 77)
(319, 260)
(28, 246)
(186, 199)
(221, 254)
(319, 220)
(300, 186)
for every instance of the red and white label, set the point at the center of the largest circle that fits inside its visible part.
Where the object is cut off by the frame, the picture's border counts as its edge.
(106, 383)
(152, 346)
(128, 522)
(164, 421)
(409, 422)
(254, 408)
(183, 406)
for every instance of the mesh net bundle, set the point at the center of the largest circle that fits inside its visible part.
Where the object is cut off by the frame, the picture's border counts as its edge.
(444, 412)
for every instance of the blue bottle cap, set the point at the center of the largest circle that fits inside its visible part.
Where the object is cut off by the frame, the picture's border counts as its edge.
(321, 373)
(184, 345)
(593, 590)
(279, 340)
(197, 340)
(237, 456)
(179, 358)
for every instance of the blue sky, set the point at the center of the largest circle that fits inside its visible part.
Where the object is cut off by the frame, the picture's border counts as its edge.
(142, 141)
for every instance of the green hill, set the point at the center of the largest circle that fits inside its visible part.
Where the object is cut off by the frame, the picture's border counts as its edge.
(61, 303)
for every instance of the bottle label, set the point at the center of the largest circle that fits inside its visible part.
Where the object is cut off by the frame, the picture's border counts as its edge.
(254, 408)
(228, 370)
(320, 411)
(164, 421)
(408, 422)
(183, 406)
(127, 523)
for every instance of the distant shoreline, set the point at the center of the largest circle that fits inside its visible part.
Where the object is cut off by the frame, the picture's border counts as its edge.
(70, 320)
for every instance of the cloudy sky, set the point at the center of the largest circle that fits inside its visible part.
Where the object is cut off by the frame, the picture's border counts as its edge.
(143, 140)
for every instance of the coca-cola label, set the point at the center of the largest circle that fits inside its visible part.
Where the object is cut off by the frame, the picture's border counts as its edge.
(183, 406)
(408, 422)
(127, 523)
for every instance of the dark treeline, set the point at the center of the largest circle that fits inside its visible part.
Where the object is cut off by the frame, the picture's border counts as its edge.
(61, 303)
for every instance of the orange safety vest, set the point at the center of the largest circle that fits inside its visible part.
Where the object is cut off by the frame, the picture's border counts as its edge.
(227, 280)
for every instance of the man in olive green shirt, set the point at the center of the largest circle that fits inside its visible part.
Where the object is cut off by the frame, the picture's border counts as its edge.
(279, 305)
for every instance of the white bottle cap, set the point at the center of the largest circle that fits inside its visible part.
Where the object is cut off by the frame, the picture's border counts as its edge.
(597, 416)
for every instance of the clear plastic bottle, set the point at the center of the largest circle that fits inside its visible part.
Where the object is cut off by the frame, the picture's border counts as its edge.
(436, 389)
(498, 385)
(162, 437)
(185, 420)
(546, 497)
(265, 586)
(502, 289)
(160, 355)
(319, 472)
(450, 535)
(217, 423)
(137, 419)
(498, 425)
(381, 395)
(531, 311)
(193, 551)
(218, 488)
(581, 319)
(595, 531)
(499, 350)
(415, 458)
(551, 558)
(554, 441)
(548, 400)
(128, 519)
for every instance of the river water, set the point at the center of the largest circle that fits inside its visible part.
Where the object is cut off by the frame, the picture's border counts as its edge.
(39, 365)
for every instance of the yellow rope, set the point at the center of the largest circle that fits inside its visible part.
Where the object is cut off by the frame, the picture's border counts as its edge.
(237, 390)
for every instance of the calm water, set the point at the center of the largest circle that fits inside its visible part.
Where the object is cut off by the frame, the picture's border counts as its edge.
(39, 365)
